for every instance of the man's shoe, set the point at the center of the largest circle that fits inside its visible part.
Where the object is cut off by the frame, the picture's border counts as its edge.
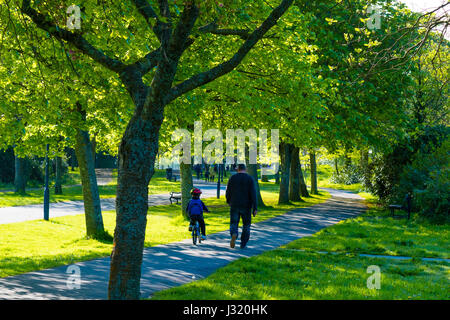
(233, 240)
(203, 237)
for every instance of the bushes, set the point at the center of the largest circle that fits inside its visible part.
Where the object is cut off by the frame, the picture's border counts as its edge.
(7, 166)
(386, 170)
(419, 167)
(429, 179)
(34, 169)
(407, 167)
(350, 174)
(434, 200)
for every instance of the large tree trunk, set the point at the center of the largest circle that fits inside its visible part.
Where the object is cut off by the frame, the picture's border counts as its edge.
(58, 173)
(285, 154)
(303, 188)
(20, 175)
(140, 141)
(312, 159)
(186, 187)
(137, 155)
(294, 176)
(253, 171)
(139, 144)
(91, 197)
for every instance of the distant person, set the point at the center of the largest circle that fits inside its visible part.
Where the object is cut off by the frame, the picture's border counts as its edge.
(207, 175)
(169, 173)
(198, 170)
(195, 209)
(241, 196)
(213, 173)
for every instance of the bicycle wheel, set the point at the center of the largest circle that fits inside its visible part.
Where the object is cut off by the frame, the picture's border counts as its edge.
(194, 235)
(199, 234)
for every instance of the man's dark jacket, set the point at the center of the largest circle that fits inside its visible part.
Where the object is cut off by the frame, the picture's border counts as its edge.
(241, 191)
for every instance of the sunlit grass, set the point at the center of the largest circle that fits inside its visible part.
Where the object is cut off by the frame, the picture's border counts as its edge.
(158, 185)
(288, 275)
(324, 174)
(10, 199)
(376, 232)
(72, 177)
(299, 271)
(35, 245)
(380, 234)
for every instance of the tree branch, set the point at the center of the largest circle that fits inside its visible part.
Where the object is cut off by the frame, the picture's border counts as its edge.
(170, 55)
(75, 39)
(226, 67)
(214, 29)
(149, 14)
(148, 62)
(180, 40)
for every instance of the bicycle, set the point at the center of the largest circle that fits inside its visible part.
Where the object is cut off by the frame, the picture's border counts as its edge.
(196, 234)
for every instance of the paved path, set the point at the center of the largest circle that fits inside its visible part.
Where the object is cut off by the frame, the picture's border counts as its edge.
(58, 209)
(174, 264)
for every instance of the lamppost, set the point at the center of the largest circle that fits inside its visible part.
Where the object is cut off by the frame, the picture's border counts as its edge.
(46, 189)
(218, 181)
(223, 170)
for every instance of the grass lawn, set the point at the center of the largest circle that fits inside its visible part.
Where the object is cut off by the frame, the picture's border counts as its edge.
(298, 271)
(158, 184)
(324, 173)
(289, 275)
(35, 245)
(10, 199)
(376, 232)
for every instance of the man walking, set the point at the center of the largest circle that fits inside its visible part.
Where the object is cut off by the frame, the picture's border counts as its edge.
(241, 196)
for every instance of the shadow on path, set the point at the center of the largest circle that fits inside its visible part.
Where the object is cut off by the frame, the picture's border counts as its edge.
(174, 264)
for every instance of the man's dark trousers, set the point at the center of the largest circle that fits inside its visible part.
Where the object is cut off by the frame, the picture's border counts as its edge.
(235, 215)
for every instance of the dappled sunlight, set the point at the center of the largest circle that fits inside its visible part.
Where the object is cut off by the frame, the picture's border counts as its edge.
(39, 244)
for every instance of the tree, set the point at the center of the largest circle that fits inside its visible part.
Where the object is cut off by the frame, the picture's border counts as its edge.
(285, 155)
(253, 171)
(186, 182)
(172, 28)
(58, 175)
(294, 176)
(313, 166)
(303, 187)
(86, 163)
(20, 176)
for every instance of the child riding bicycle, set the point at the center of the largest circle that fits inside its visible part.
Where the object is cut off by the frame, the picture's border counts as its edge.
(195, 210)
